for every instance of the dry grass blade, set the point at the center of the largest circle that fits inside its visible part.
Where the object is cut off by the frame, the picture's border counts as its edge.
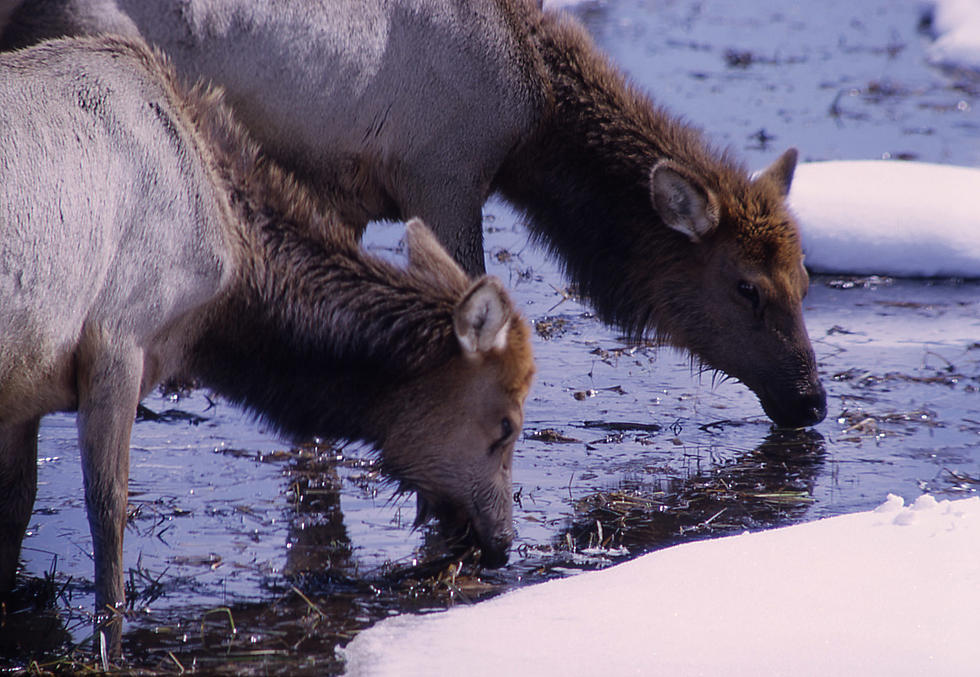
(309, 602)
(180, 666)
(783, 496)
(231, 624)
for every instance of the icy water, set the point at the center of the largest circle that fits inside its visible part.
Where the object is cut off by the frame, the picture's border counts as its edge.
(249, 555)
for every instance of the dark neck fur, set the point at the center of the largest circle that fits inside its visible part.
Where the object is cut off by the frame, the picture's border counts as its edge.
(309, 337)
(583, 179)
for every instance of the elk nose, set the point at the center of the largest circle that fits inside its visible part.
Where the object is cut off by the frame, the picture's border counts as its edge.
(808, 409)
(816, 410)
(813, 406)
(495, 554)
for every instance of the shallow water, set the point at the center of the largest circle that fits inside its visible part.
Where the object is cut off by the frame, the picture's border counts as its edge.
(247, 554)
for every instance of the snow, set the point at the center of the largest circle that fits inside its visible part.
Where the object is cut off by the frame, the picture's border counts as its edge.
(956, 24)
(883, 217)
(894, 591)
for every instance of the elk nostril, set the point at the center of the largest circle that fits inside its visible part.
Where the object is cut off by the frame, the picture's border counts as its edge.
(814, 415)
(819, 412)
(816, 405)
(810, 410)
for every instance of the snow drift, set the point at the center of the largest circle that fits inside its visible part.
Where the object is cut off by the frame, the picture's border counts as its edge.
(906, 219)
(894, 591)
(956, 25)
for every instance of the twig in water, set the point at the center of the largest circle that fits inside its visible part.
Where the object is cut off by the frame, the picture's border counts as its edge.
(231, 623)
(103, 652)
(174, 659)
(309, 602)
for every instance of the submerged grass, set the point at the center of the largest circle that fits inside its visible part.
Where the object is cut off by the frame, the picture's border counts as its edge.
(767, 486)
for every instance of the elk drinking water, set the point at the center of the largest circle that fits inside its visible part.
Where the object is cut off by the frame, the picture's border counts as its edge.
(426, 108)
(143, 237)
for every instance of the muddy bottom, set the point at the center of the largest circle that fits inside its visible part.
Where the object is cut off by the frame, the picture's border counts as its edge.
(250, 555)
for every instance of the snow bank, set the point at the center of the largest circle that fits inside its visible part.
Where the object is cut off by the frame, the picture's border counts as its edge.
(956, 24)
(882, 217)
(891, 592)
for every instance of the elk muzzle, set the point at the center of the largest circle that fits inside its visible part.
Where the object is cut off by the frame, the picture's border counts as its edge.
(804, 404)
(464, 529)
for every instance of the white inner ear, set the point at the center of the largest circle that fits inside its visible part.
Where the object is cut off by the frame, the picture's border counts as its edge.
(483, 318)
(683, 206)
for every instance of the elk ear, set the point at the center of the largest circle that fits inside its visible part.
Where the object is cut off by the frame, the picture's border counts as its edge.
(682, 200)
(780, 172)
(482, 318)
(425, 253)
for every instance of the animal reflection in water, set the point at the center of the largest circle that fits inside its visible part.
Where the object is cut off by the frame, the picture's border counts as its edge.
(769, 486)
(766, 487)
(320, 548)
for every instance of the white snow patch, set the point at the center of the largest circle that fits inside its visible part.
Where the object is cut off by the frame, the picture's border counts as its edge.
(910, 219)
(956, 24)
(890, 592)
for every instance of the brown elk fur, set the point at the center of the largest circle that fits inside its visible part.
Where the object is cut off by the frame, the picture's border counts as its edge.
(588, 165)
(276, 307)
(584, 182)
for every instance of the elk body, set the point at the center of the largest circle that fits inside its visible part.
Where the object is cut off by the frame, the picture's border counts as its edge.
(143, 237)
(426, 107)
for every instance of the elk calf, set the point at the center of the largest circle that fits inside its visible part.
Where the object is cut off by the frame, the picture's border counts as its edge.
(143, 237)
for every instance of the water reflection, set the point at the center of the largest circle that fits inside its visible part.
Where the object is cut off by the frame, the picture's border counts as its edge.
(318, 539)
(321, 557)
(766, 487)
(31, 623)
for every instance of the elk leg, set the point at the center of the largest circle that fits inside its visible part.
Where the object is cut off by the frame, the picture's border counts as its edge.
(467, 246)
(455, 215)
(108, 392)
(18, 488)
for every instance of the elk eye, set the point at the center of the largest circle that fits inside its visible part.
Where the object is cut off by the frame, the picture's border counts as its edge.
(506, 430)
(748, 291)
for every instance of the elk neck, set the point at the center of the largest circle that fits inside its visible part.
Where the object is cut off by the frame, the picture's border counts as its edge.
(582, 180)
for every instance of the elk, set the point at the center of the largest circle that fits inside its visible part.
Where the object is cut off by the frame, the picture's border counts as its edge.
(144, 237)
(427, 108)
